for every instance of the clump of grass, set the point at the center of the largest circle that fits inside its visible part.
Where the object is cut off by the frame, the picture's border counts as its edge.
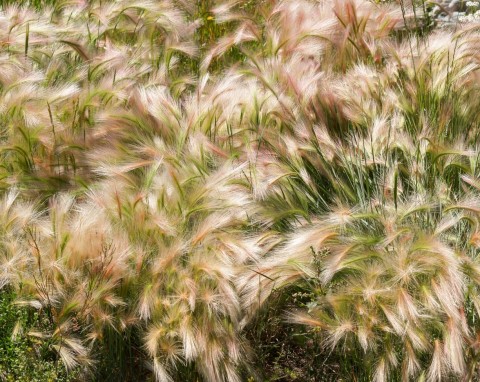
(170, 171)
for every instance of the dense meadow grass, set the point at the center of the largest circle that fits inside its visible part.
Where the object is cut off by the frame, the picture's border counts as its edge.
(256, 190)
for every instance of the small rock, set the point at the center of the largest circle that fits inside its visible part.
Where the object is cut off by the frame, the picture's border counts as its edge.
(457, 5)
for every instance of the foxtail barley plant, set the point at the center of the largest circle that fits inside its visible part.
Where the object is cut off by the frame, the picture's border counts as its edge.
(172, 169)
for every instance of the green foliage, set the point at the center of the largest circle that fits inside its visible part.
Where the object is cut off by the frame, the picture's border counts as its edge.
(22, 358)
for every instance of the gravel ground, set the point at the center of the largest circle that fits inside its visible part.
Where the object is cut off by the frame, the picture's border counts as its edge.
(448, 13)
